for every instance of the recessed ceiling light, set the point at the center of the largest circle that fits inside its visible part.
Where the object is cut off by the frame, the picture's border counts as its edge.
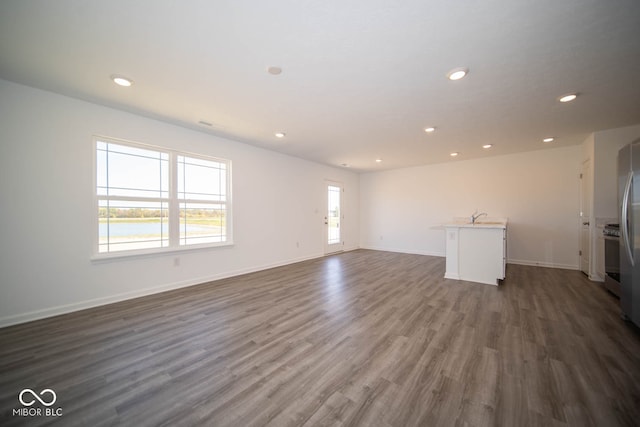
(487, 146)
(345, 165)
(455, 153)
(457, 73)
(280, 134)
(274, 70)
(121, 81)
(430, 129)
(378, 160)
(568, 97)
(550, 139)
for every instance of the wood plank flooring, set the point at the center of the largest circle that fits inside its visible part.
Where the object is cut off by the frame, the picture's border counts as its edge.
(363, 338)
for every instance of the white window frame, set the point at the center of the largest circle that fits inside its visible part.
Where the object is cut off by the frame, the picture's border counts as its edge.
(174, 201)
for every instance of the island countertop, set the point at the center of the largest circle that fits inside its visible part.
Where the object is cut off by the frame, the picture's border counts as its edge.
(480, 223)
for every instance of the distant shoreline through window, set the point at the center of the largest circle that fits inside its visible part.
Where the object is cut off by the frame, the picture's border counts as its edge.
(153, 199)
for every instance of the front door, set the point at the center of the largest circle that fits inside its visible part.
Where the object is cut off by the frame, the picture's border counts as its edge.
(333, 239)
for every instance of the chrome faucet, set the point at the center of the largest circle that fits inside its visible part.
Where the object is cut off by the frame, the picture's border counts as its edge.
(476, 215)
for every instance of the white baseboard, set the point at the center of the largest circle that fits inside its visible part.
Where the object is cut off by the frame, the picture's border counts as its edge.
(403, 251)
(442, 254)
(543, 264)
(595, 277)
(83, 305)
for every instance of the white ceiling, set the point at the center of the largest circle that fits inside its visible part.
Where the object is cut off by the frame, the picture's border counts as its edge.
(361, 79)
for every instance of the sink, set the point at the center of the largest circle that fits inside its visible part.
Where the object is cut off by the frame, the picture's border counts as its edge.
(483, 222)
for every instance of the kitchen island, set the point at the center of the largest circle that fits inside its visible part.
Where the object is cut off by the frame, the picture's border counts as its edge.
(476, 252)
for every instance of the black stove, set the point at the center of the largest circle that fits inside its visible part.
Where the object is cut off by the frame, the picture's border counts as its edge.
(611, 234)
(612, 230)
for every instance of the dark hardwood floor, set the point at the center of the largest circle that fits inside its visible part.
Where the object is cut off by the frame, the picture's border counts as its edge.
(363, 338)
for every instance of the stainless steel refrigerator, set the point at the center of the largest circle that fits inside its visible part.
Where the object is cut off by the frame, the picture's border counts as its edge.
(629, 212)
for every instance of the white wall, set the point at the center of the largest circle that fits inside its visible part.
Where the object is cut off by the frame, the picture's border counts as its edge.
(46, 207)
(606, 147)
(404, 210)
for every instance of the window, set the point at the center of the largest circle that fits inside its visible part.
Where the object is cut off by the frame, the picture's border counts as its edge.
(154, 199)
(202, 193)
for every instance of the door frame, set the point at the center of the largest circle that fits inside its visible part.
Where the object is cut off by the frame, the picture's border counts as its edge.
(334, 247)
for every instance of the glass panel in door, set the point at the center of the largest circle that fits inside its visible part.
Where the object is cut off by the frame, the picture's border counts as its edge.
(333, 218)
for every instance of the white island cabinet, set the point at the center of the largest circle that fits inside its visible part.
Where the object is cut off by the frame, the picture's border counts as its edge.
(476, 252)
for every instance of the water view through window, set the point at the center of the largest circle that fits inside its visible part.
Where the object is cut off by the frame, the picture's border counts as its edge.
(140, 207)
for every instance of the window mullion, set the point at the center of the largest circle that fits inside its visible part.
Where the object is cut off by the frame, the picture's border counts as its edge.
(174, 204)
(133, 198)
